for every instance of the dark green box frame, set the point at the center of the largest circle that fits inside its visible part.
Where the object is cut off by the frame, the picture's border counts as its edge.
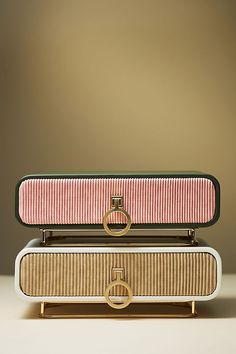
(124, 175)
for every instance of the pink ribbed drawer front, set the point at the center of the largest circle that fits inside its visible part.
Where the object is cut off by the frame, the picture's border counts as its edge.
(50, 201)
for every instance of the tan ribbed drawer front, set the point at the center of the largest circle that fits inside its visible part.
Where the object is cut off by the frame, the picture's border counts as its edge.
(88, 274)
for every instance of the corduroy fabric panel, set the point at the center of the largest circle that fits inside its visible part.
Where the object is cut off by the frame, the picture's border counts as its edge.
(88, 274)
(147, 200)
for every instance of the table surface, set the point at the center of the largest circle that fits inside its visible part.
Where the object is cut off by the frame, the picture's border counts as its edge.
(213, 331)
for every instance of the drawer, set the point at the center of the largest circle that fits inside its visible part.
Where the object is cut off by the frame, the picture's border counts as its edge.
(114, 200)
(145, 274)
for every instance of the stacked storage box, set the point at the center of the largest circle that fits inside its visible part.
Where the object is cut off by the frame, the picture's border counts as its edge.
(120, 239)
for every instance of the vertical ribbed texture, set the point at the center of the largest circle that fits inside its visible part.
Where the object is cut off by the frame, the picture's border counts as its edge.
(147, 200)
(88, 274)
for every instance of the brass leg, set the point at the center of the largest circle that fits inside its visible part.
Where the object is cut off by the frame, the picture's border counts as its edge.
(44, 238)
(192, 235)
(194, 312)
(46, 234)
(42, 309)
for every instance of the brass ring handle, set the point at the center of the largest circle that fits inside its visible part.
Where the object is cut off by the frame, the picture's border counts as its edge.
(117, 206)
(123, 304)
(113, 232)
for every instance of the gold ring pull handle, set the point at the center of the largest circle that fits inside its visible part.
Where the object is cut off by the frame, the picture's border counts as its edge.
(117, 206)
(118, 281)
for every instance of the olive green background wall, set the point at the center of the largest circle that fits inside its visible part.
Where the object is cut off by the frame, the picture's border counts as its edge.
(118, 85)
